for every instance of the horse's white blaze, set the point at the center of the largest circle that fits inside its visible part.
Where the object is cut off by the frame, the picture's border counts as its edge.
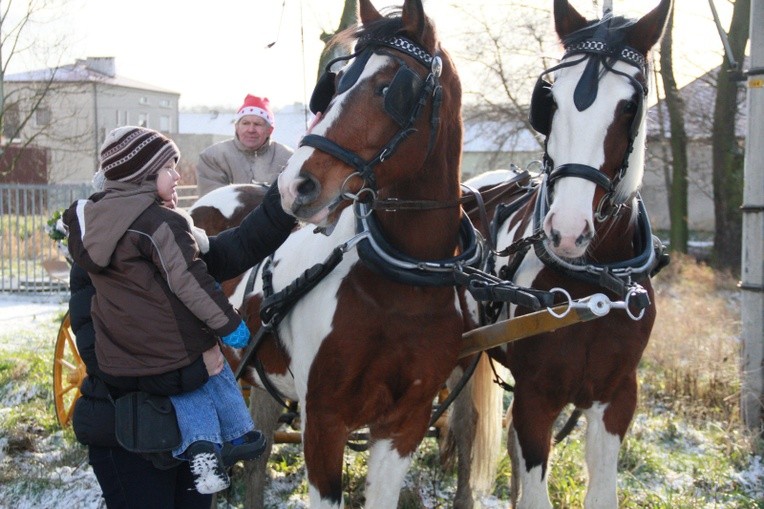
(385, 475)
(532, 486)
(237, 297)
(601, 460)
(289, 176)
(290, 179)
(578, 137)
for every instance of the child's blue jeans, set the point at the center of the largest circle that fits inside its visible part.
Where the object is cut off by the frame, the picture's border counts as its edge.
(215, 412)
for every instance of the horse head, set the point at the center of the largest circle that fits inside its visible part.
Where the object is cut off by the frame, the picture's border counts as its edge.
(593, 116)
(397, 95)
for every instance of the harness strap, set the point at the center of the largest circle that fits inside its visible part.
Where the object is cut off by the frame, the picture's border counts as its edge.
(454, 393)
(582, 171)
(275, 306)
(273, 309)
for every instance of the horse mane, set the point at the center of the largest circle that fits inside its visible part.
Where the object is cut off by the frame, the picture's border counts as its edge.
(390, 24)
(611, 29)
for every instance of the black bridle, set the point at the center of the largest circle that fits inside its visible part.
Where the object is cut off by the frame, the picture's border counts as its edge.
(596, 51)
(405, 99)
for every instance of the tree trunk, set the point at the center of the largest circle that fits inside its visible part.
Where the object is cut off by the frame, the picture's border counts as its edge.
(349, 18)
(728, 154)
(679, 235)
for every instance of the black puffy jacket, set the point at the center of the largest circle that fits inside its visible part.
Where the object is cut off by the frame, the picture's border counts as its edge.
(230, 253)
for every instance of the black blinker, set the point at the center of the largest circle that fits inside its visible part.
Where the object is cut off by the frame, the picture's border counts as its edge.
(402, 95)
(323, 92)
(542, 102)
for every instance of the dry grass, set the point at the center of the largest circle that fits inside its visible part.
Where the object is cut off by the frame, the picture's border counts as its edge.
(695, 343)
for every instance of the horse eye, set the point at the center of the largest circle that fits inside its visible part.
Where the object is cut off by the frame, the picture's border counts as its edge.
(630, 108)
(382, 90)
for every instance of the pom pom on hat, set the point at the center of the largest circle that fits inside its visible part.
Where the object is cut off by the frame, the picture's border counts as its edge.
(259, 106)
(130, 154)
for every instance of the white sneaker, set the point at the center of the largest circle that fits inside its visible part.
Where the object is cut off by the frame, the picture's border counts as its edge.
(207, 468)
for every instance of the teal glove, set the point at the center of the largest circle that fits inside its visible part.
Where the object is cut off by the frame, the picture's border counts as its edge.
(238, 338)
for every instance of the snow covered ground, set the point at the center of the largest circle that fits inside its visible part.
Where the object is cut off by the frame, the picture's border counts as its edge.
(57, 481)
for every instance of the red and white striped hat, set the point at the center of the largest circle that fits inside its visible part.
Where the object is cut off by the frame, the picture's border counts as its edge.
(259, 106)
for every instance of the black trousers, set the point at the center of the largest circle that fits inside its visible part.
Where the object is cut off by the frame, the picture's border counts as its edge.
(128, 481)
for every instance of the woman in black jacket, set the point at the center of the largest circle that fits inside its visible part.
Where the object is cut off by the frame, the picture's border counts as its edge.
(131, 480)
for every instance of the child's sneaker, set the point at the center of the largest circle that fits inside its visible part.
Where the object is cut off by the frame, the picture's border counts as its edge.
(207, 467)
(247, 447)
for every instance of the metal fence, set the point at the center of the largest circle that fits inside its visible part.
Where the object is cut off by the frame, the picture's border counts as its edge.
(30, 261)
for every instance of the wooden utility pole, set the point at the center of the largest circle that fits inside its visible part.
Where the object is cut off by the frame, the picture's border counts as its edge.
(752, 269)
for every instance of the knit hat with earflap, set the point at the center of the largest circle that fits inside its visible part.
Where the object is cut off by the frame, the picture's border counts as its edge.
(258, 106)
(131, 154)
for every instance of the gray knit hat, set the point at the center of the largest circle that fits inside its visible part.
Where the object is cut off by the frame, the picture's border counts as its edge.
(131, 153)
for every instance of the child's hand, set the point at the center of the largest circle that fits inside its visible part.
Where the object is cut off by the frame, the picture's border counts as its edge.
(238, 338)
(213, 360)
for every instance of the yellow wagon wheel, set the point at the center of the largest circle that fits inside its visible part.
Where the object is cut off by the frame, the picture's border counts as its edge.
(68, 373)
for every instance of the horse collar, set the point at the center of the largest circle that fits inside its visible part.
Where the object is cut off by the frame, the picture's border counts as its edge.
(618, 277)
(380, 256)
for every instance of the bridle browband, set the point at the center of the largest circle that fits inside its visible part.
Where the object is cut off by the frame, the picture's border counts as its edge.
(403, 80)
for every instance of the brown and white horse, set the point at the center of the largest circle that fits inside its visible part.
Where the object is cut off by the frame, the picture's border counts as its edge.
(371, 343)
(591, 233)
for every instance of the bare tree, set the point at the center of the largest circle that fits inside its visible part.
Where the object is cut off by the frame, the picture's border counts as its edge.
(728, 154)
(348, 19)
(678, 209)
(26, 103)
(508, 55)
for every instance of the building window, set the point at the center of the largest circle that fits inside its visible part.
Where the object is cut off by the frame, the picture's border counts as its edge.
(42, 116)
(165, 103)
(143, 120)
(121, 118)
(11, 122)
(164, 124)
(143, 100)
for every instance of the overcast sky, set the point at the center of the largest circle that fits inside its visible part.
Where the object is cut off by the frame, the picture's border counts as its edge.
(215, 52)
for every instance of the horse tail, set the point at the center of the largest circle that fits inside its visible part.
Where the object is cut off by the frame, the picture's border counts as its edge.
(473, 435)
(488, 399)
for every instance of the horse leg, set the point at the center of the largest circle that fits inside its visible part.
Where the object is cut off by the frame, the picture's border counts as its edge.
(514, 455)
(265, 413)
(324, 436)
(605, 429)
(530, 437)
(475, 433)
(384, 478)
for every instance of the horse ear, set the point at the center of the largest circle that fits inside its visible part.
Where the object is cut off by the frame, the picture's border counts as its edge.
(413, 18)
(566, 18)
(368, 13)
(648, 30)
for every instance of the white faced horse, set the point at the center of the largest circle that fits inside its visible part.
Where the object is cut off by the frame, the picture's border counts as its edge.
(589, 232)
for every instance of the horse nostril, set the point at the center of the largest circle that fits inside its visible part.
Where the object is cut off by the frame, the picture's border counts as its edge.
(306, 187)
(556, 238)
(586, 236)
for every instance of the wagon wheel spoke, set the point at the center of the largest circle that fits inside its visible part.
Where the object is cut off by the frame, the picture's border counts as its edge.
(68, 373)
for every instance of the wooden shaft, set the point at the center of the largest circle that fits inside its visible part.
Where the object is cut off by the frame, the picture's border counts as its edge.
(519, 327)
